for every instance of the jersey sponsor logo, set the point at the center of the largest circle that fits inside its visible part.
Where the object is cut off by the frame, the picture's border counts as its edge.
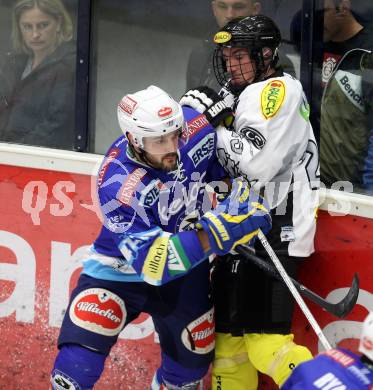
(287, 234)
(329, 382)
(272, 97)
(202, 150)
(339, 357)
(165, 112)
(61, 381)
(195, 126)
(254, 137)
(98, 310)
(150, 193)
(199, 335)
(129, 186)
(222, 37)
(128, 105)
(120, 142)
(117, 223)
(178, 261)
(112, 155)
(351, 87)
(155, 262)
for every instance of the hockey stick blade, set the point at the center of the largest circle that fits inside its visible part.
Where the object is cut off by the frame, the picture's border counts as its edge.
(339, 309)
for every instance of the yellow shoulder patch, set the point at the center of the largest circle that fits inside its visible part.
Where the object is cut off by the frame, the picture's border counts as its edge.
(273, 95)
(222, 37)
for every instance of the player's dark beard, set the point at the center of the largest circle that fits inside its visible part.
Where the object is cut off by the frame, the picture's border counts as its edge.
(161, 165)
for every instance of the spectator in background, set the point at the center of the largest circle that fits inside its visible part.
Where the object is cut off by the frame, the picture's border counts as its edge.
(37, 82)
(345, 104)
(200, 70)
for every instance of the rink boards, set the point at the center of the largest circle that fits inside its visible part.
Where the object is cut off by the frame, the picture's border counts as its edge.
(49, 215)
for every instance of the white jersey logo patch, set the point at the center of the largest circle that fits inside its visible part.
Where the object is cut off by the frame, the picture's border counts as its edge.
(287, 234)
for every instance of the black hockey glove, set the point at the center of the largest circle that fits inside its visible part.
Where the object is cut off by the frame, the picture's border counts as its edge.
(206, 101)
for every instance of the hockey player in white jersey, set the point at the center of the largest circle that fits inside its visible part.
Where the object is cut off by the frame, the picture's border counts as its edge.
(271, 143)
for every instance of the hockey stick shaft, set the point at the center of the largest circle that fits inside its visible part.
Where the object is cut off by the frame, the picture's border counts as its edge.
(306, 311)
(339, 309)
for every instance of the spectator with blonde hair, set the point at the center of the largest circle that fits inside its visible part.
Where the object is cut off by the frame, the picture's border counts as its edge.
(38, 78)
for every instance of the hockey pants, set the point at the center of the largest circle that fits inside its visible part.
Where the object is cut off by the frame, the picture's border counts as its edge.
(238, 359)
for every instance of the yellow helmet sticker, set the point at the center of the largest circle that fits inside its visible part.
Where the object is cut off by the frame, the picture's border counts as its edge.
(222, 37)
(273, 95)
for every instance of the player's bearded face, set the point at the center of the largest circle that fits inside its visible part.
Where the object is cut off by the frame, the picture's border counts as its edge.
(167, 162)
(161, 152)
(239, 65)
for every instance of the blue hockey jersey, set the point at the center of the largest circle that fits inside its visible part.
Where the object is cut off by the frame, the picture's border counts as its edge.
(146, 212)
(336, 369)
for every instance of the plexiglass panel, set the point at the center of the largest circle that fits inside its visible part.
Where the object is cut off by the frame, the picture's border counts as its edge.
(343, 98)
(168, 43)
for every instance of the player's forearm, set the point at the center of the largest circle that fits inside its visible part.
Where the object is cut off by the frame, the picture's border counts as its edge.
(203, 239)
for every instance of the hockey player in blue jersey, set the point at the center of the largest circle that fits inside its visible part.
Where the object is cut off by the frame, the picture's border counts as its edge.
(338, 369)
(147, 257)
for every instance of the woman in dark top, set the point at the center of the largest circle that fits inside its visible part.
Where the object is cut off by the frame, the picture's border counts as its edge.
(37, 83)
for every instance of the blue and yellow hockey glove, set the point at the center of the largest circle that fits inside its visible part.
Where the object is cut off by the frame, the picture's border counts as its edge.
(236, 220)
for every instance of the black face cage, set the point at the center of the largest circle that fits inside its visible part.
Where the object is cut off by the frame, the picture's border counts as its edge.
(220, 68)
(223, 76)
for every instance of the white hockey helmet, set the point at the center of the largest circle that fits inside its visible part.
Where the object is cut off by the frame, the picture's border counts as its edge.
(151, 113)
(366, 339)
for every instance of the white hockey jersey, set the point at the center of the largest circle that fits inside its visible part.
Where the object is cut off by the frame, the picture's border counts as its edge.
(274, 148)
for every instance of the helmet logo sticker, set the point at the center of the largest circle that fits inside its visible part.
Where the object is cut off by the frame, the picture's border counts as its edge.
(222, 37)
(272, 97)
(128, 105)
(164, 112)
(367, 343)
